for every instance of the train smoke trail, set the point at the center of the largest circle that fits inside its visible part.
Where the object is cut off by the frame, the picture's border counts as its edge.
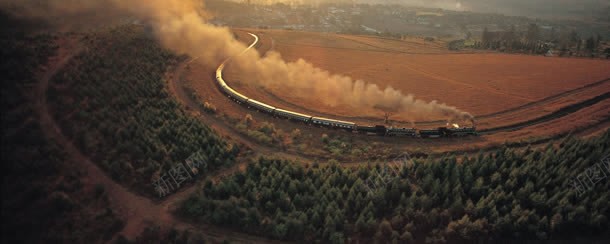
(309, 82)
(181, 26)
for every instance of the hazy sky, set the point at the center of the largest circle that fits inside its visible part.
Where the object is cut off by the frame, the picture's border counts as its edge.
(534, 8)
(538, 8)
(550, 8)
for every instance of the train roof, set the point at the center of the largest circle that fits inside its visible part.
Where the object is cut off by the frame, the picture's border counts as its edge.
(291, 112)
(398, 128)
(334, 120)
(233, 92)
(367, 126)
(462, 129)
(221, 81)
(261, 104)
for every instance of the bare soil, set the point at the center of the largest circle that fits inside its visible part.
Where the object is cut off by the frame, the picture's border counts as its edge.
(479, 83)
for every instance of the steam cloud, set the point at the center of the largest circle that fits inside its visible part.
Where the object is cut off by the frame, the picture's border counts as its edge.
(181, 27)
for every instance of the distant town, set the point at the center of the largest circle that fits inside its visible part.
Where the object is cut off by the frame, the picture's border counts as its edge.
(386, 19)
(398, 21)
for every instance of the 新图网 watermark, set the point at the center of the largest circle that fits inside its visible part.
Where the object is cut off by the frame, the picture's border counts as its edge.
(389, 172)
(173, 179)
(591, 176)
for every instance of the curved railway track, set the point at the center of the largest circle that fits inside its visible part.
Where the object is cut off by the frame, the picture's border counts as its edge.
(564, 111)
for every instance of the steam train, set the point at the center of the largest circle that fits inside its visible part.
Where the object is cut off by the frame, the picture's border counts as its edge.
(380, 130)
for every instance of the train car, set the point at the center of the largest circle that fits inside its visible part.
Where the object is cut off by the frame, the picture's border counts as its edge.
(401, 132)
(379, 130)
(430, 133)
(260, 106)
(224, 89)
(221, 82)
(219, 71)
(333, 123)
(235, 95)
(292, 115)
(461, 131)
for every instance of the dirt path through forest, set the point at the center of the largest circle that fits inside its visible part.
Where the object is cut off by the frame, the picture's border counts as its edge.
(137, 211)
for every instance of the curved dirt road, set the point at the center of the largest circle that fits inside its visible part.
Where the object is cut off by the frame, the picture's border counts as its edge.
(137, 211)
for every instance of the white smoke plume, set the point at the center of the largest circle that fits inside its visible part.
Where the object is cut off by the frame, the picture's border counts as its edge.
(181, 26)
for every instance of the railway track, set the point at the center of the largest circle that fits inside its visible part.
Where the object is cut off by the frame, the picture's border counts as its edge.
(572, 108)
(543, 101)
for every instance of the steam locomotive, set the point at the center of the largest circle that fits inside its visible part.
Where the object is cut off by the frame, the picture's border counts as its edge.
(380, 130)
(412, 132)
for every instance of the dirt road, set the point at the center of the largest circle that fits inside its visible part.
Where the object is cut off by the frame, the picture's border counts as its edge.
(137, 211)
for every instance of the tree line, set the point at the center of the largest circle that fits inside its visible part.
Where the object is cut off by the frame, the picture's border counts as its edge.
(534, 40)
(508, 194)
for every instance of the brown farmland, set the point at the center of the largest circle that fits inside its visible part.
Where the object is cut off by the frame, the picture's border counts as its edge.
(479, 83)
